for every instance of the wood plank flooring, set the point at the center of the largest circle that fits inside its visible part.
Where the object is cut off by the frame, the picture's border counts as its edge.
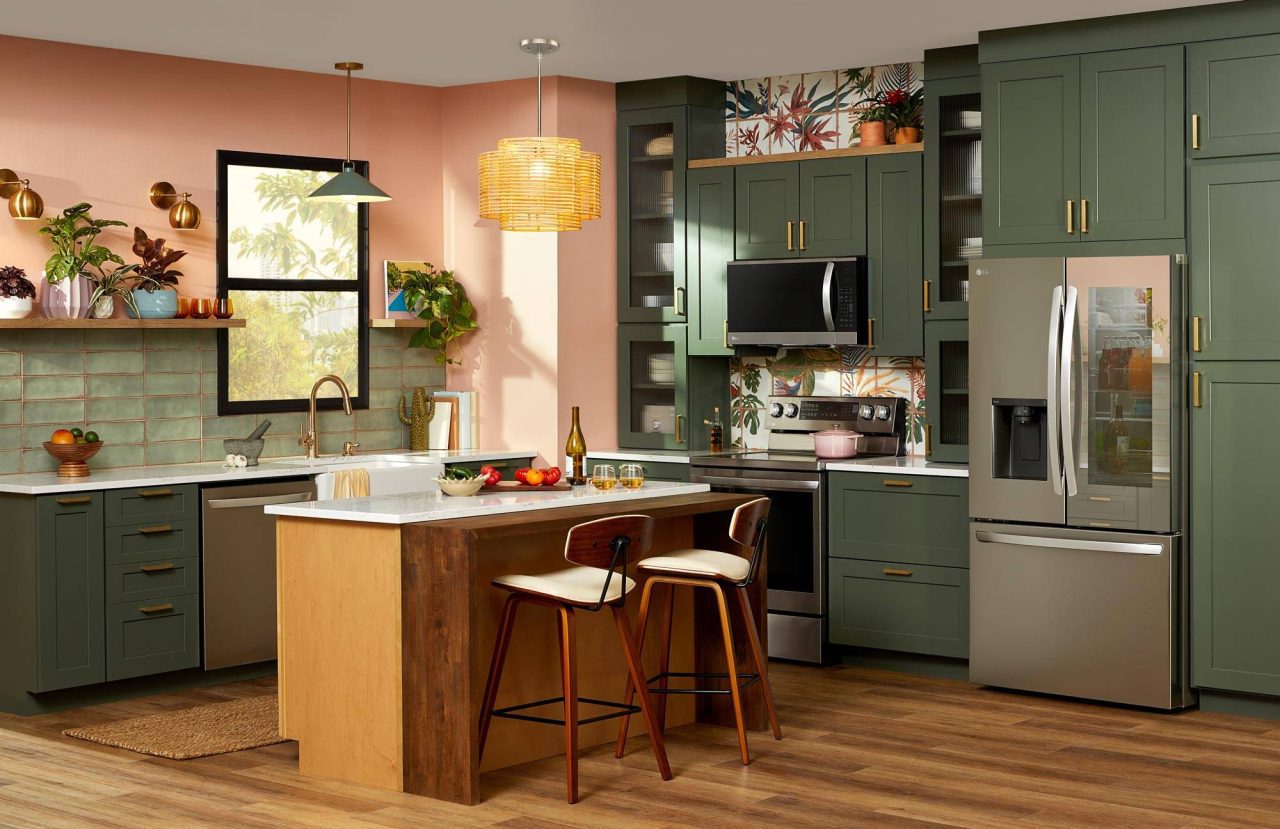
(862, 748)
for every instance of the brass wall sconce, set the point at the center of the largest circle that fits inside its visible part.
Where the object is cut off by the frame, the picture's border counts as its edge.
(183, 215)
(24, 203)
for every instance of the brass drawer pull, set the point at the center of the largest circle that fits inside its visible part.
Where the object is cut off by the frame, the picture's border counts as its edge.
(1195, 389)
(72, 501)
(157, 608)
(1104, 498)
(154, 493)
(790, 244)
(928, 438)
(1071, 217)
(928, 285)
(1195, 333)
(158, 568)
(893, 571)
(891, 482)
(1195, 130)
(802, 245)
(158, 528)
(871, 333)
(1084, 215)
(679, 428)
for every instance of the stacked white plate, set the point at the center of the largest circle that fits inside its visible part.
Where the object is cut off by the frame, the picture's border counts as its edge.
(662, 369)
(970, 247)
(663, 145)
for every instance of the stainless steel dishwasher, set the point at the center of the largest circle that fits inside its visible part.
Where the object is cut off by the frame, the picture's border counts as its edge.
(240, 569)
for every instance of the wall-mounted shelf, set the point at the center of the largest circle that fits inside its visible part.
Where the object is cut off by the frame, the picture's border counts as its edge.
(121, 322)
(840, 152)
(397, 323)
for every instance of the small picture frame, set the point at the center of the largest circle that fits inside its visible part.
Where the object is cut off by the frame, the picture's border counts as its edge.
(393, 285)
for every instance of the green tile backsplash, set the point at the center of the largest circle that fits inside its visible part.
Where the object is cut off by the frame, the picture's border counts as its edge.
(152, 396)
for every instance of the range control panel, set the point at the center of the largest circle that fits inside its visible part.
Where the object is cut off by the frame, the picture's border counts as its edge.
(868, 415)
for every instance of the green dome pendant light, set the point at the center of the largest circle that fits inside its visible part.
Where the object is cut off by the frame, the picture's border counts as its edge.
(348, 186)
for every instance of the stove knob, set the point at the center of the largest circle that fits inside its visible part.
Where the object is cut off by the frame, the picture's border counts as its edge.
(882, 412)
(864, 412)
(792, 410)
(775, 410)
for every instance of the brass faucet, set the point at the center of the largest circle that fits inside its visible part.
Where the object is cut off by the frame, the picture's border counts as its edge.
(308, 437)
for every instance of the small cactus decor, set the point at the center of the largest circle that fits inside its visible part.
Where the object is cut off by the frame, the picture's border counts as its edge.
(418, 418)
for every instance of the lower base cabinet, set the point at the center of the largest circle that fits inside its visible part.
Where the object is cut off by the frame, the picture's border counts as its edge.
(653, 470)
(899, 607)
(152, 637)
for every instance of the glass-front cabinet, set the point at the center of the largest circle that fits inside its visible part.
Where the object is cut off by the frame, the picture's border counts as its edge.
(953, 208)
(946, 366)
(652, 378)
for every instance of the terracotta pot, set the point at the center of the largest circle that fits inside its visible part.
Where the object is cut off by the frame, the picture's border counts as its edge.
(872, 134)
(906, 135)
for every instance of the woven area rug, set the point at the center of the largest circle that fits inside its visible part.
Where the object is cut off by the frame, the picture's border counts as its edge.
(193, 732)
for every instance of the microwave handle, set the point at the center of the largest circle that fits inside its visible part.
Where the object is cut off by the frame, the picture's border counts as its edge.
(827, 279)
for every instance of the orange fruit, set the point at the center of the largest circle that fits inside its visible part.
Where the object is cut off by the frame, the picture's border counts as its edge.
(62, 436)
(534, 477)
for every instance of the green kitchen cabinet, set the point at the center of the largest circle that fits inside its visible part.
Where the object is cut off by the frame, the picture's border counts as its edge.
(895, 255)
(952, 192)
(653, 470)
(767, 198)
(1233, 96)
(891, 605)
(664, 395)
(1234, 526)
(833, 207)
(709, 242)
(506, 466)
(946, 372)
(152, 636)
(919, 519)
(1234, 247)
(70, 591)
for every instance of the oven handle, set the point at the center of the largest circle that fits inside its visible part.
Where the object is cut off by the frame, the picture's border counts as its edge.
(827, 279)
(761, 483)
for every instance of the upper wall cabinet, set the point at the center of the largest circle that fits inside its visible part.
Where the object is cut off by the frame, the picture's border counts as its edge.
(953, 192)
(813, 208)
(1234, 96)
(895, 255)
(1084, 148)
(709, 240)
(767, 201)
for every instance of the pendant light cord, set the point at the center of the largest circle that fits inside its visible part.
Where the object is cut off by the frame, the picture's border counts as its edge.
(539, 93)
(348, 164)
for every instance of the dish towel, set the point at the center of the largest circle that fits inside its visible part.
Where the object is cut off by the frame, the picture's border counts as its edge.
(351, 483)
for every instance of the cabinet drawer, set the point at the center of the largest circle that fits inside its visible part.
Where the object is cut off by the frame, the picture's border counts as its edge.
(900, 607)
(911, 518)
(152, 504)
(154, 636)
(1100, 505)
(141, 543)
(152, 579)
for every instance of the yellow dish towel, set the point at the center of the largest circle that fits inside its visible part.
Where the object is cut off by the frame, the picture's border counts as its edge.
(351, 483)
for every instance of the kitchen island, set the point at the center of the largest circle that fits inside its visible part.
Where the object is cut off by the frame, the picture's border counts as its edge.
(387, 620)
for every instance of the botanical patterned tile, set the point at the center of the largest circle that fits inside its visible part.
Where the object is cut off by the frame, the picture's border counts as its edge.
(173, 383)
(751, 139)
(822, 89)
(53, 387)
(10, 462)
(10, 363)
(177, 451)
(54, 339)
(10, 437)
(115, 385)
(847, 126)
(826, 383)
(115, 362)
(904, 76)
(787, 94)
(731, 138)
(177, 428)
(113, 340)
(59, 412)
(753, 97)
(178, 406)
(98, 410)
(230, 426)
(182, 361)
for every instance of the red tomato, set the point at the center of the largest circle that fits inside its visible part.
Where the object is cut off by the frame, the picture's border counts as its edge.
(522, 474)
(551, 476)
(491, 476)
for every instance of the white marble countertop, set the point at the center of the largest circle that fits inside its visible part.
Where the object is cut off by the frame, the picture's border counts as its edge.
(436, 506)
(910, 465)
(44, 483)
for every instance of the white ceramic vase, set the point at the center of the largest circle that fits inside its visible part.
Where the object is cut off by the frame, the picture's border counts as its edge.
(104, 307)
(13, 308)
(68, 299)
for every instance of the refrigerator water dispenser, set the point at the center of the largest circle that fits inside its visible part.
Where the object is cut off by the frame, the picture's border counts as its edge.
(1019, 439)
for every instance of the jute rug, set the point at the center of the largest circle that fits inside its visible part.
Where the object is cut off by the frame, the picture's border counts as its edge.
(193, 732)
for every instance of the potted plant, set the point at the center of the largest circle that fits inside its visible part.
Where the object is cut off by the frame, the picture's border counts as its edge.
(906, 112)
(69, 273)
(439, 300)
(108, 286)
(153, 293)
(16, 293)
(873, 122)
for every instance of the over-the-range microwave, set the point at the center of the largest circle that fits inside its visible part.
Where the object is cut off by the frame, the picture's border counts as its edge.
(797, 302)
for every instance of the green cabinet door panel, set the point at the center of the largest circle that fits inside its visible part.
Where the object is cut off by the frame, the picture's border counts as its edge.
(1234, 88)
(69, 591)
(709, 244)
(1131, 153)
(153, 636)
(918, 519)
(1234, 527)
(653, 470)
(653, 398)
(833, 207)
(151, 579)
(148, 542)
(1235, 248)
(766, 198)
(150, 505)
(946, 382)
(897, 606)
(1031, 149)
(895, 254)
(944, 228)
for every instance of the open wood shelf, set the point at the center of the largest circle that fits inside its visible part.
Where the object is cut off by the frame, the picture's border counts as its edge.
(397, 323)
(121, 322)
(839, 152)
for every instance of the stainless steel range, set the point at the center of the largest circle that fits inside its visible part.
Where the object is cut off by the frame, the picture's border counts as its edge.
(790, 474)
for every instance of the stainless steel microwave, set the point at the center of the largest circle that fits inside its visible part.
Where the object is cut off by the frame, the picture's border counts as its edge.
(798, 302)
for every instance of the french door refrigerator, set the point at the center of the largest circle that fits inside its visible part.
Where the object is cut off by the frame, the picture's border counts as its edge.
(1077, 448)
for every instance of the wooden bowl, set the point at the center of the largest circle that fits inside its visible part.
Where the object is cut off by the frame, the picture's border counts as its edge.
(72, 456)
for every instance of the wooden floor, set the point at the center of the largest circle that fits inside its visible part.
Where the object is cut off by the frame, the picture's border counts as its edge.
(863, 748)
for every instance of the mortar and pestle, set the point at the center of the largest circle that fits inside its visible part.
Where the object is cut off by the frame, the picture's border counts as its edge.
(250, 447)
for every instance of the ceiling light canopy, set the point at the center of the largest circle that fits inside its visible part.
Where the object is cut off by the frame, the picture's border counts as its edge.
(348, 186)
(539, 183)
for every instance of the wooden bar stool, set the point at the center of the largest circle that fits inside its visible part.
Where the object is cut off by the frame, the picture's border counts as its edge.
(715, 571)
(599, 549)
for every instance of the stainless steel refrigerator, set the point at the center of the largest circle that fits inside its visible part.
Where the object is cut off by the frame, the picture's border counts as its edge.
(1077, 464)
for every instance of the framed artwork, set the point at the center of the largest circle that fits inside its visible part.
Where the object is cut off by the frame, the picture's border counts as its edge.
(393, 285)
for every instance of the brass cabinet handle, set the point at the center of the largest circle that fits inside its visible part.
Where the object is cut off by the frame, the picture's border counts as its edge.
(1195, 333)
(1071, 217)
(802, 224)
(871, 333)
(891, 482)
(790, 246)
(894, 571)
(158, 568)
(928, 438)
(679, 429)
(928, 289)
(158, 528)
(1195, 130)
(725, 337)
(156, 608)
(1084, 215)
(682, 305)
(1195, 390)
(76, 499)
(154, 493)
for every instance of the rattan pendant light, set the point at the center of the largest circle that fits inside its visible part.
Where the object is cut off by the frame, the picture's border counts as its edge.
(540, 183)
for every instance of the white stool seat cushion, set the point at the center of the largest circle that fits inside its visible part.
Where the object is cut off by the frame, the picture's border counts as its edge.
(576, 585)
(708, 563)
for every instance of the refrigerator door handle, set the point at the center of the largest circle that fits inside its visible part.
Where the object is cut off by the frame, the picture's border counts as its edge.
(1066, 405)
(986, 537)
(1051, 394)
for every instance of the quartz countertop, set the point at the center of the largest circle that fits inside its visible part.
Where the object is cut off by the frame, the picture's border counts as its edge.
(909, 465)
(44, 483)
(416, 507)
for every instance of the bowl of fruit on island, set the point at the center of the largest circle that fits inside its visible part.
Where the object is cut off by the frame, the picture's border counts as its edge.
(71, 448)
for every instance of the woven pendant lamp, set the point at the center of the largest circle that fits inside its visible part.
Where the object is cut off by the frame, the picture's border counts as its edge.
(539, 183)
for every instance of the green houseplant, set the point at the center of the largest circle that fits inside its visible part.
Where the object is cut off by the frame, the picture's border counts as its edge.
(76, 261)
(16, 293)
(154, 292)
(441, 302)
(109, 285)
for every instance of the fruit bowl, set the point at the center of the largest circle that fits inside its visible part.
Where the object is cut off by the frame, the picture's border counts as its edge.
(71, 457)
(462, 488)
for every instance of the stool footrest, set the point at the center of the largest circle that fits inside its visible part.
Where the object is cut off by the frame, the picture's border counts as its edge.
(510, 711)
(744, 681)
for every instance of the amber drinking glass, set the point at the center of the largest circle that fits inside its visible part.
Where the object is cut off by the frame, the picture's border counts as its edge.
(603, 476)
(223, 308)
(204, 308)
(631, 475)
(184, 308)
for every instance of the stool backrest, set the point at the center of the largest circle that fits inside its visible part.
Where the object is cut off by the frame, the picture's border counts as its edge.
(747, 527)
(606, 543)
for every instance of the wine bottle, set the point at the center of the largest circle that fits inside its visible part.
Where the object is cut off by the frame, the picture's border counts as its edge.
(575, 448)
(1117, 438)
(717, 431)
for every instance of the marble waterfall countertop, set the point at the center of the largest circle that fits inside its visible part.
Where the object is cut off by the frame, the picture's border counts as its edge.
(415, 507)
(45, 483)
(908, 465)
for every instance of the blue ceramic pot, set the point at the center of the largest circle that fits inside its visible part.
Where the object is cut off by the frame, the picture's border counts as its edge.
(154, 305)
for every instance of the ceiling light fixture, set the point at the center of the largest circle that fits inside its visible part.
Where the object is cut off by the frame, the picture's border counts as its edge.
(539, 183)
(348, 186)
(24, 203)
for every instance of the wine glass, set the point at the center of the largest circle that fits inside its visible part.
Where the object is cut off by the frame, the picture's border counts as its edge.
(603, 477)
(631, 476)
(184, 308)
(223, 308)
(204, 308)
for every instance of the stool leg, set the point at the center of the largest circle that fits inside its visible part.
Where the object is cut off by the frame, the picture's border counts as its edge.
(664, 655)
(757, 655)
(569, 671)
(505, 625)
(642, 690)
(629, 694)
(730, 661)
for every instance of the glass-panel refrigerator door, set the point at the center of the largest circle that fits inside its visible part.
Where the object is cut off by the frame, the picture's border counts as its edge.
(1120, 364)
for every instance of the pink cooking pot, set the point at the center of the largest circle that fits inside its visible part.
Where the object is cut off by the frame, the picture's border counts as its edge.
(837, 443)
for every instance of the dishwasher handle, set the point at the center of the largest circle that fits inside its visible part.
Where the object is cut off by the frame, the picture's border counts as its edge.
(258, 501)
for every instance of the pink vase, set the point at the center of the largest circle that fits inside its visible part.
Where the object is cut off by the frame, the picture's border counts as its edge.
(66, 300)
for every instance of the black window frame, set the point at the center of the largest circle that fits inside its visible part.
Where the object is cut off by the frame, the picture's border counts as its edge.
(237, 158)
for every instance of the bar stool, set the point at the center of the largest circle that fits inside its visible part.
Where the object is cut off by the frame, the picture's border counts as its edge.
(715, 571)
(599, 550)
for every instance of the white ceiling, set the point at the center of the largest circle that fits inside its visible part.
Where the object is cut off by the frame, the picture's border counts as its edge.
(469, 41)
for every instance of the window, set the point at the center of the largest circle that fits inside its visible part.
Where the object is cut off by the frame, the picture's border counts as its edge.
(297, 272)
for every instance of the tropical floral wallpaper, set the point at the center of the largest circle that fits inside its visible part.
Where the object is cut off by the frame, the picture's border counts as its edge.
(811, 111)
(824, 372)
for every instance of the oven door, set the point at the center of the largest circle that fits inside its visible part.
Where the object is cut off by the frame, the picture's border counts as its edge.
(793, 547)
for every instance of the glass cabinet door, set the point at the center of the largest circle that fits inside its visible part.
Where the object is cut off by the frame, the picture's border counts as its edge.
(652, 386)
(953, 175)
(946, 366)
(652, 162)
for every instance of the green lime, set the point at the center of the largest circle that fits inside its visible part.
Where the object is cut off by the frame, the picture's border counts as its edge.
(91, 437)
(77, 432)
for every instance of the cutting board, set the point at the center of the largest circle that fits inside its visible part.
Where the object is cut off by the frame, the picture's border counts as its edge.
(560, 487)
